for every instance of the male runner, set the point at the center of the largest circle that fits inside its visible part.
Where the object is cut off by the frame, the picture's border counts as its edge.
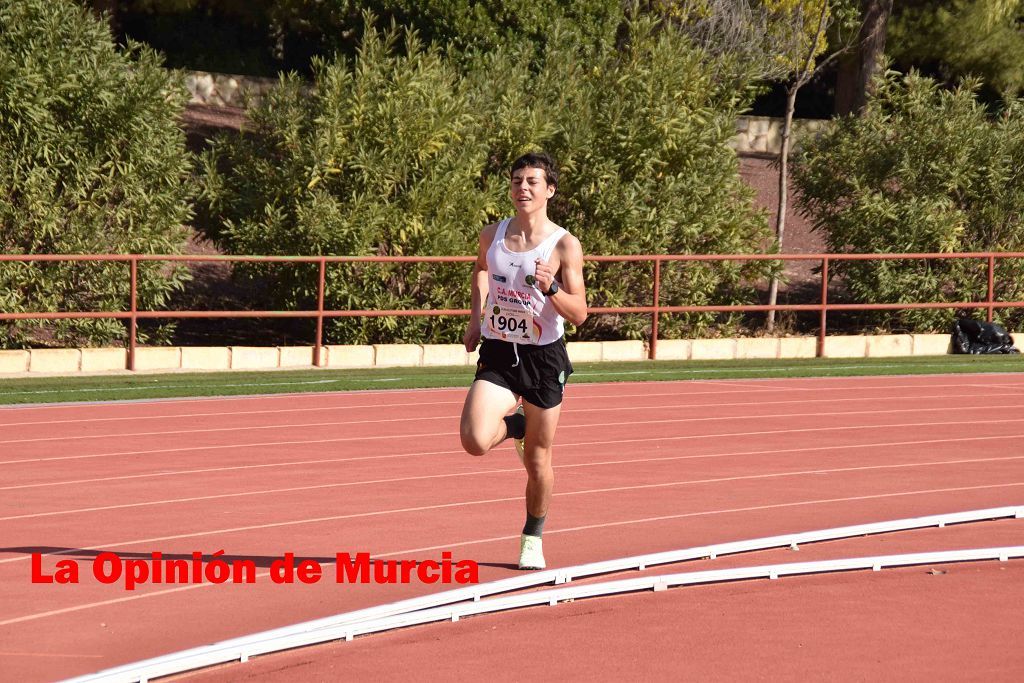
(528, 279)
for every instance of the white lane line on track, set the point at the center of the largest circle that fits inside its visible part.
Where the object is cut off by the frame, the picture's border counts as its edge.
(191, 400)
(149, 387)
(588, 444)
(1016, 388)
(93, 390)
(461, 544)
(180, 399)
(296, 522)
(716, 435)
(488, 501)
(782, 386)
(229, 413)
(343, 423)
(48, 655)
(751, 385)
(516, 471)
(782, 368)
(568, 409)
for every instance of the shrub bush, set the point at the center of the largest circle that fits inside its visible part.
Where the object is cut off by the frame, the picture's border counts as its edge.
(924, 169)
(381, 158)
(643, 135)
(91, 161)
(404, 150)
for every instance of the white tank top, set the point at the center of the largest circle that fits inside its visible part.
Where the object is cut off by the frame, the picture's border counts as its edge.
(516, 311)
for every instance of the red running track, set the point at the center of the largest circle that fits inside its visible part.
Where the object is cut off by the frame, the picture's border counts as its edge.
(640, 468)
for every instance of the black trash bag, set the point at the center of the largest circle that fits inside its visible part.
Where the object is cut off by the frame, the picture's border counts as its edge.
(971, 336)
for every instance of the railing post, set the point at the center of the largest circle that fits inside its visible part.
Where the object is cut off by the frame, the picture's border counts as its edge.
(321, 285)
(823, 323)
(652, 352)
(133, 320)
(991, 286)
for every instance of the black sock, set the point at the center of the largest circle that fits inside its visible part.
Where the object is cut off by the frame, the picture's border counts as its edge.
(534, 525)
(515, 425)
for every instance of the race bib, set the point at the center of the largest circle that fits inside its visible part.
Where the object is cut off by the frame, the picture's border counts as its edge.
(511, 324)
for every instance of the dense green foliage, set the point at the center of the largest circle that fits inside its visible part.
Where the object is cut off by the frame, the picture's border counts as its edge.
(643, 137)
(262, 37)
(91, 161)
(957, 38)
(383, 158)
(465, 25)
(404, 150)
(924, 169)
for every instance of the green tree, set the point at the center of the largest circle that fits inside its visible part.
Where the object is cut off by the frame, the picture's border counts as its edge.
(91, 161)
(923, 169)
(859, 66)
(798, 52)
(786, 41)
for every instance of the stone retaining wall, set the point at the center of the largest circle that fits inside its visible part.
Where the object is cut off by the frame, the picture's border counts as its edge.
(225, 90)
(212, 358)
(762, 135)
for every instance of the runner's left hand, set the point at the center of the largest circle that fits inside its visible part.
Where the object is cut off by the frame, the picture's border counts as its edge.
(544, 275)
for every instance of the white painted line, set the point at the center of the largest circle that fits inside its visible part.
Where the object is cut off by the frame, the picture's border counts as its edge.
(462, 544)
(517, 471)
(152, 387)
(354, 515)
(790, 368)
(450, 433)
(569, 408)
(226, 413)
(284, 426)
(289, 396)
(451, 605)
(579, 444)
(580, 387)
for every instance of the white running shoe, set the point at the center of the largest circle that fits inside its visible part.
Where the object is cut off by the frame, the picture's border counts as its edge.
(521, 443)
(531, 552)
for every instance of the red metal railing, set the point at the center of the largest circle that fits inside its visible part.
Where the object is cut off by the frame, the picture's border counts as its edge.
(133, 315)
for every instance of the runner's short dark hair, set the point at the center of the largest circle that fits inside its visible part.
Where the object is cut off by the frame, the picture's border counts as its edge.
(540, 160)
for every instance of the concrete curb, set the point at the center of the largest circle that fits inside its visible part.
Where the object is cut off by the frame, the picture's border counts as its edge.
(222, 358)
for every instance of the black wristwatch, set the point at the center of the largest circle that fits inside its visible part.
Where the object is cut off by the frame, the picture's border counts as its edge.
(553, 289)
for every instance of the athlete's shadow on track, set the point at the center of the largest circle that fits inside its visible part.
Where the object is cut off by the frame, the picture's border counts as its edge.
(81, 553)
(263, 561)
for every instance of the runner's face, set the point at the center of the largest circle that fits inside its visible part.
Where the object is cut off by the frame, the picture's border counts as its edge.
(529, 189)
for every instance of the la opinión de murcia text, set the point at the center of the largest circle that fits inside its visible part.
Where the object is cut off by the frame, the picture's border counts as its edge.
(110, 568)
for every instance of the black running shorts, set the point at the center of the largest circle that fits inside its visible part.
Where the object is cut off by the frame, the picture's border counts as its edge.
(539, 376)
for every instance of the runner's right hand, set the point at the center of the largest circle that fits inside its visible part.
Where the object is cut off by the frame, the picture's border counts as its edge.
(472, 335)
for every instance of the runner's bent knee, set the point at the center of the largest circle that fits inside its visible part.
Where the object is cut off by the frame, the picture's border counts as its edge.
(475, 440)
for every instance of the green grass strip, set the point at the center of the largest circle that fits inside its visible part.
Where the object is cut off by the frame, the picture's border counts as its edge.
(180, 384)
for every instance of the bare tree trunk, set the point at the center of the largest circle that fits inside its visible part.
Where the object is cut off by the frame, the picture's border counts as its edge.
(780, 216)
(802, 76)
(858, 67)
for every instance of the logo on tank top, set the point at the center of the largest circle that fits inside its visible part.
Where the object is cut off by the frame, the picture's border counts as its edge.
(500, 278)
